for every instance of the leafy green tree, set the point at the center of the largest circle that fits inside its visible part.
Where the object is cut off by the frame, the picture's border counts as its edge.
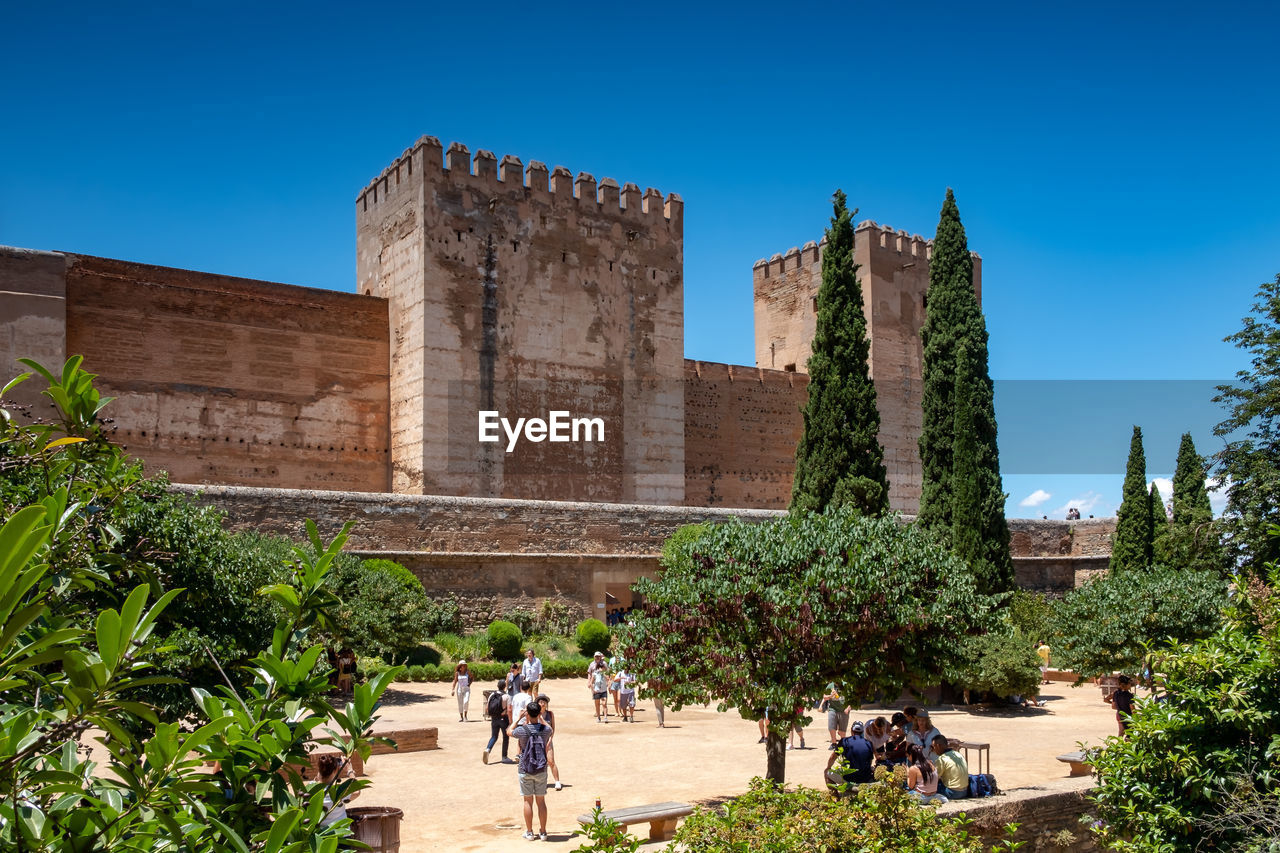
(1131, 544)
(1199, 770)
(385, 612)
(756, 616)
(1250, 466)
(1001, 662)
(1159, 518)
(839, 459)
(1107, 625)
(63, 674)
(962, 494)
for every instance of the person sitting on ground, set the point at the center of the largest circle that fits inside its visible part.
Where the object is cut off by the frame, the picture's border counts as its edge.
(922, 777)
(953, 770)
(858, 754)
(332, 768)
(895, 751)
(924, 730)
(877, 732)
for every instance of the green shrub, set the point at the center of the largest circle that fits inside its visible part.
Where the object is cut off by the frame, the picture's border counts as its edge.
(1032, 614)
(523, 618)
(505, 640)
(443, 615)
(384, 608)
(592, 636)
(418, 673)
(422, 655)
(1106, 625)
(880, 818)
(566, 667)
(1002, 662)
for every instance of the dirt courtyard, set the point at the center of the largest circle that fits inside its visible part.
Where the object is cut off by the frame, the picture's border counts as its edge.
(452, 801)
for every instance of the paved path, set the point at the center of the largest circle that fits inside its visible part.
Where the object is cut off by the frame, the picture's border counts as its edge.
(454, 802)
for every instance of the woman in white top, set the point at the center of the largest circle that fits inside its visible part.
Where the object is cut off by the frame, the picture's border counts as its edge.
(330, 768)
(461, 688)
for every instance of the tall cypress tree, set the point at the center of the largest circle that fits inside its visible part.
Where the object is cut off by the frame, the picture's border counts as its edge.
(962, 495)
(1194, 540)
(951, 303)
(979, 534)
(839, 459)
(1159, 521)
(1131, 544)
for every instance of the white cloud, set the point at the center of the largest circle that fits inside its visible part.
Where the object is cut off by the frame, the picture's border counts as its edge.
(1086, 503)
(1217, 495)
(1166, 487)
(1036, 498)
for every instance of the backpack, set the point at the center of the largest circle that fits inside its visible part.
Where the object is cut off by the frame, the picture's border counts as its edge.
(494, 708)
(533, 755)
(982, 785)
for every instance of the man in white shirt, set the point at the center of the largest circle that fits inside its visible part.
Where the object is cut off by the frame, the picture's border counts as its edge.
(531, 670)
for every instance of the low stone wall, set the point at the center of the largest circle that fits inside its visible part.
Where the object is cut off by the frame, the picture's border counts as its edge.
(1042, 813)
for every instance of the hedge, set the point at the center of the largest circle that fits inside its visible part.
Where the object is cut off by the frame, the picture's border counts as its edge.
(482, 674)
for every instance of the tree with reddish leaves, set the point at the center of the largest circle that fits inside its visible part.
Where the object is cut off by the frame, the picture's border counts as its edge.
(756, 616)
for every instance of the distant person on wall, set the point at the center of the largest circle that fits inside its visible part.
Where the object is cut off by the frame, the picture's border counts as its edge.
(499, 710)
(1043, 652)
(462, 689)
(531, 670)
(598, 683)
(532, 736)
(1122, 701)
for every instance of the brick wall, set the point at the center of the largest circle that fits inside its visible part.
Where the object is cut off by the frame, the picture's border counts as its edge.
(233, 381)
(1042, 813)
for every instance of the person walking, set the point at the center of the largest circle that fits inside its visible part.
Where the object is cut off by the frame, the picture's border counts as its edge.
(532, 737)
(462, 689)
(1122, 701)
(1042, 651)
(598, 682)
(499, 710)
(531, 670)
(627, 695)
(837, 716)
(550, 719)
(615, 686)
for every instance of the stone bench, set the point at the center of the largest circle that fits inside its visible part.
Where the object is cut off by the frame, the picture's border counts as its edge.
(1080, 765)
(661, 818)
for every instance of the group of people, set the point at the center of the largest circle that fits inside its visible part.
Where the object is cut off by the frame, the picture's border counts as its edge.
(936, 772)
(611, 680)
(617, 616)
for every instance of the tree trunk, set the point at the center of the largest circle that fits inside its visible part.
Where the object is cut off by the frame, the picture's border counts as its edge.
(775, 750)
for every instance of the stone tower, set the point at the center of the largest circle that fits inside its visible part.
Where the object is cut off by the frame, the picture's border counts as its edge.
(894, 270)
(526, 291)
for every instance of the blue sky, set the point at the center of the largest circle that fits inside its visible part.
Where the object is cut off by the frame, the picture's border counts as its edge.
(1114, 163)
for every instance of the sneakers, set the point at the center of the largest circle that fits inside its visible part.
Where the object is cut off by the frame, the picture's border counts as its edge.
(762, 740)
(559, 787)
(834, 747)
(542, 836)
(789, 746)
(485, 757)
(528, 835)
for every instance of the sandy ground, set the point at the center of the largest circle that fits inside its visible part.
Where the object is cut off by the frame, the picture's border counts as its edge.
(452, 801)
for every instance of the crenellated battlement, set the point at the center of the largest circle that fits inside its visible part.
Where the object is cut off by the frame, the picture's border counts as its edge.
(716, 371)
(429, 160)
(876, 236)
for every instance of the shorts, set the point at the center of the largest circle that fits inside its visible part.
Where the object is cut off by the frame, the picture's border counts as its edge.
(838, 720)
(533, 784)
(598, 695)
(627, 700)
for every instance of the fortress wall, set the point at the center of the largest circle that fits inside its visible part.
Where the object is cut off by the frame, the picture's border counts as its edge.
(233, 381)
(526, 290)
(742, 425)
(1087, 537)
(33, 318)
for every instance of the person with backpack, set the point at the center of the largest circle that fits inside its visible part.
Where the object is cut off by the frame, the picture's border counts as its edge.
(532, 736)
(497, 708)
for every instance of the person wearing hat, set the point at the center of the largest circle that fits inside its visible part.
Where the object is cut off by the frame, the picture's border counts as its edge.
(858, 754)
(923, 731)
(461, 688)
(598, 682)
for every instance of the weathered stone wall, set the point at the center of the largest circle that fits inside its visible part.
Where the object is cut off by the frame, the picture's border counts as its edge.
(1087, 537)
(894, 271)
(33, 318)
(741, 428)
(228, 380)
(526, 291)
(1042, 813)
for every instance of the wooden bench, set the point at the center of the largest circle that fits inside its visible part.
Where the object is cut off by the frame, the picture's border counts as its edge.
(984, 755)
(661, 818)
(1080, 765)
